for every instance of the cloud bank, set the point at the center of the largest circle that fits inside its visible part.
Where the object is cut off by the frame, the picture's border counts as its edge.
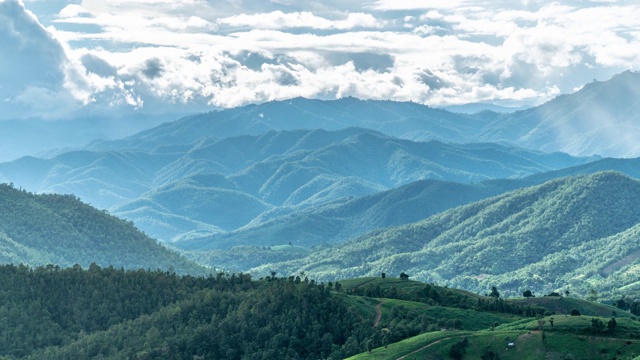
(89, 56)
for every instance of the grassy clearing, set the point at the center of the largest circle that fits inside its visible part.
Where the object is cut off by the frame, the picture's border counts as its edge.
(529, 345)
(407, 346)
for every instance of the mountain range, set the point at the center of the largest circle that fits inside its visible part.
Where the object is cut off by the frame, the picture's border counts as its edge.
(601, 119)
(290, 184)
(219, 185)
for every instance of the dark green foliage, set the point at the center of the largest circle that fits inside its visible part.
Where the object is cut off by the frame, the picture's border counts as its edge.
(459, 349)
(611, 325)
(527, 294)
(494, 292)
(575, 312)
(490, 355)
(635, 308)
(597, 326)
(50, 306)
(53, 313)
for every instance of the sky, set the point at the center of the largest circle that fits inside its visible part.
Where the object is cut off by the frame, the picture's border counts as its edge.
(71, 58)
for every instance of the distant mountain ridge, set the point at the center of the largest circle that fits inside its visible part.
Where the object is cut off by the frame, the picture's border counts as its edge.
(405, 120)
(600, 119)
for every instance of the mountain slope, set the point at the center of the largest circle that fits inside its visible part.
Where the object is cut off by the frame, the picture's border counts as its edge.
(61, 230)
(537, 238)
(602, 118)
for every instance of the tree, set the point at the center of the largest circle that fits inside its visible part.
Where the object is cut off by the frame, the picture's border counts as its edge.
(494, 292)
(597, 326)
(593, 295)
(635, 308)
(459, 349)
(404, 276)
(575, 312)
(384, 275)
(612, 324)
(527, 294)
(566, 293)
(622, 304)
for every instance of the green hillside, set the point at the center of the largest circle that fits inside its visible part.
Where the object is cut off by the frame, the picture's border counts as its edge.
(61, 230)
(343, 220)
(573, 233)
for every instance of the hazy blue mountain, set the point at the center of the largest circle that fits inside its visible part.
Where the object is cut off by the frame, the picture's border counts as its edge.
(100, 178)
(405, 120)
(602, 118)
(569, 233)
(36, 137)
(475, 108)
(61, 230)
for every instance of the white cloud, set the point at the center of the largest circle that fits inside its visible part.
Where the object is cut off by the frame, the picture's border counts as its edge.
(34, 70)
(280, 20)
(156, 55)
(388, 5)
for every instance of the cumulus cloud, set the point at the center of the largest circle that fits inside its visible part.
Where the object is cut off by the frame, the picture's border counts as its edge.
(192, 55)
(280, 20)
(33, 65)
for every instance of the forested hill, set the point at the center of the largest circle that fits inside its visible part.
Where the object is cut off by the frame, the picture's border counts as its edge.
(62, 230)
(572, 233)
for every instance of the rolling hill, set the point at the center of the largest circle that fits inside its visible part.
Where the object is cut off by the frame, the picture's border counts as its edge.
(59, 229)
(572, 233)
(343, 220)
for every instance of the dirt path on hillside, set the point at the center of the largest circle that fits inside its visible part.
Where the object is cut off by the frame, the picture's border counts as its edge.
(426, 346)
(378, 314)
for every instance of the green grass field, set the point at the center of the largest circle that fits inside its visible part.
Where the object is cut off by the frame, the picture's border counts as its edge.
(570, 337)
